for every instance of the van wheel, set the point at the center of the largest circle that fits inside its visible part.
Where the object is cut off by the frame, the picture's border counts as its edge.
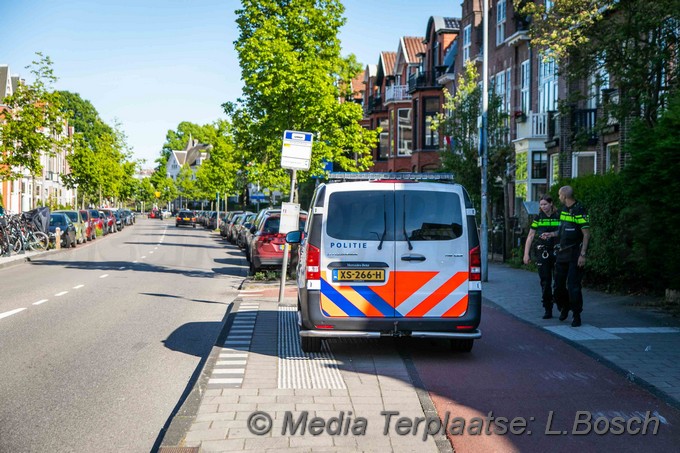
(462, 344)
(310, 344)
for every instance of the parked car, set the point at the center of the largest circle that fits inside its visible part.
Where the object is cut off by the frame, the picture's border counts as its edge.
(384, 257)
(244, 231)
(267, 245)
(185, 218)
(224, 227)
(91, 229)
(117, 220)
(66, 227)
(98, 221)
(211, 223)
(109, 221)
(78, 223)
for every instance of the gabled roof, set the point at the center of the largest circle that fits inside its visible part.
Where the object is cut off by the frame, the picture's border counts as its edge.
(192, 152)
(409, 48)
(15, 83)
(440, 24)
(385, 64)
(358, 83)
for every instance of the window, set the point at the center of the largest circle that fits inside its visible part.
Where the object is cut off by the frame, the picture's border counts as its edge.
(525, 87)
(538, 190)
(539, 165)
(554, 169)
(467, 42)
(613, 156)
(361, 215)
(404, 133)
(521, 174)
(500, 22)
(384, 144)
(431, 107)
(583, 164)
(547, 85)
(429, 216)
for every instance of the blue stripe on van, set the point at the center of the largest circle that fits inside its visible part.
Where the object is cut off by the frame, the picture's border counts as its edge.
(378, 302)
(340, 300)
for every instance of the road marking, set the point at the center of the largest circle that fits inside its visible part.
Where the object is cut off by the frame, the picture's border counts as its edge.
(135, 261)
(150, 252)
(155, 247)
(121, 268)
(104, 276)
(10, 313)
(143, 257)
(41, 301)
(61, 293)
(78, 287)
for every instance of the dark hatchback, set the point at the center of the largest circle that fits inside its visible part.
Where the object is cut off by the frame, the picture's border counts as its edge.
(67, 229)
(185, 218)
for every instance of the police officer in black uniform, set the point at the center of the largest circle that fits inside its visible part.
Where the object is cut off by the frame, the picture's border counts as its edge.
(574, 235)
(541, 233)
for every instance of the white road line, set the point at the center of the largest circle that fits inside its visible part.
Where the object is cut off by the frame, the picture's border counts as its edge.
(78, 287)
(121, 268)
(135, 261)
(61, 293)
(10, 313)
(143, 257)
(251, 291)
(155, 247)
(104, 276)
(41, 301)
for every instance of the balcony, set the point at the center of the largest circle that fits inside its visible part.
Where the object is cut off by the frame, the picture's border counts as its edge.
(534, 126)
(397, 93)
(554, 128)
(423, 80)
(583, 125)
(375, 104)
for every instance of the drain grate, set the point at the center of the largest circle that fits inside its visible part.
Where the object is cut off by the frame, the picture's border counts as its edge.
(298, 370)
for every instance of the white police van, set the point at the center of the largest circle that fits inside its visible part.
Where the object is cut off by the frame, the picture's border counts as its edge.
(389, 254)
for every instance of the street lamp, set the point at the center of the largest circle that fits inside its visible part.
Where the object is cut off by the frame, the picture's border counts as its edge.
(484, 139)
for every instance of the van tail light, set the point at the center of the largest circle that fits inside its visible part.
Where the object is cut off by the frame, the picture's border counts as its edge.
(475, 272)
(313, 260)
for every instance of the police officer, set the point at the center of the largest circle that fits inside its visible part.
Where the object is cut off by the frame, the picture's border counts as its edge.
(541, 232)
(574, 234)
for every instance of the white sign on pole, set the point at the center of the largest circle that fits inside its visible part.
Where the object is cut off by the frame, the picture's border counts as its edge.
(296, 153)
(290, 217)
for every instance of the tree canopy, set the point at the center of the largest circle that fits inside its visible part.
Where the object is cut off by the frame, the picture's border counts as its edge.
(294, 75)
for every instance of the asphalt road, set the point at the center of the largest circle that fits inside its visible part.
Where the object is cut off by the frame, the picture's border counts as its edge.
(109, 337)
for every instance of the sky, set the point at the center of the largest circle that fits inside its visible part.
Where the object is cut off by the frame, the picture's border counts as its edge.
(148, 65)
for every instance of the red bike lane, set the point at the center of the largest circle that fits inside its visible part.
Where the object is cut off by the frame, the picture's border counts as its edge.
(522, 389)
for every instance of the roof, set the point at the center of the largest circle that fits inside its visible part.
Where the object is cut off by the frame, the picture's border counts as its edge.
(411, 46)
(371, 70)
(358, 83)
(440, 24)
(193, 151)
(385, 64)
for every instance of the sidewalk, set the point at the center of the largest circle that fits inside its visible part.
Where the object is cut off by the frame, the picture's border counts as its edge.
(259, 367)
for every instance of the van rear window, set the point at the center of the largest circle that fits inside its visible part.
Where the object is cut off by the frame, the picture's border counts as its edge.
(361, 215)
(428, 216)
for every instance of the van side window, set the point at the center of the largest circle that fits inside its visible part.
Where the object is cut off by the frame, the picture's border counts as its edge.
(429, 216)
(361, 215)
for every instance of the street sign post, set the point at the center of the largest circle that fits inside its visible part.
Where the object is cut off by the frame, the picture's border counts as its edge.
(296, 153)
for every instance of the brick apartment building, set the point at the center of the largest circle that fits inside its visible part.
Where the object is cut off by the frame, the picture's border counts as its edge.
(404, 90)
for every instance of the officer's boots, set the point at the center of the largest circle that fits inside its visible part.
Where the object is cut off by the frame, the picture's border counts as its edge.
(577, 320)
(548, 313)
(564, 314)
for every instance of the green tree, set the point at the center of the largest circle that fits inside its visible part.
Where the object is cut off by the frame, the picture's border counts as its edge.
(33, 125)
(146, 191)
(293, 74)
(168, 190)
(631, 45)
(218, 173)
(185, 183)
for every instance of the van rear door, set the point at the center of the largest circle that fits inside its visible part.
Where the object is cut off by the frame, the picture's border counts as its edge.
(431, 262)
(358, 251)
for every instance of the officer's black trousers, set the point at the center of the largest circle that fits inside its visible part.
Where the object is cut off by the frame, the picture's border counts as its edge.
(546, 268)
(568, 278)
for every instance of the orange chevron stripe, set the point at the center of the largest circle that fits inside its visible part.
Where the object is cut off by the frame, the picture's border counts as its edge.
(408, 283)
(458, 309)
(438, 295)
(386, 291)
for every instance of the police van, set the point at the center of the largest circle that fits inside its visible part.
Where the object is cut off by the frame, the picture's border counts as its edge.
(389, 254)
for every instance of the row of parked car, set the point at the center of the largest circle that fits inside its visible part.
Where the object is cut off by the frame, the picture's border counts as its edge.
(79, 226)
(257, 234)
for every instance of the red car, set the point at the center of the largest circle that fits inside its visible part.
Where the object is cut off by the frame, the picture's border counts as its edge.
(109, 221)
(266, 246)
(90, 227)
(97, 221)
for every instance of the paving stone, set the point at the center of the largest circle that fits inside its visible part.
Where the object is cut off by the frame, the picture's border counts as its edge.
(222, 445)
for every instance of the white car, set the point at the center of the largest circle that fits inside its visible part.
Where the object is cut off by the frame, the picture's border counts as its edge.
(389, 255)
